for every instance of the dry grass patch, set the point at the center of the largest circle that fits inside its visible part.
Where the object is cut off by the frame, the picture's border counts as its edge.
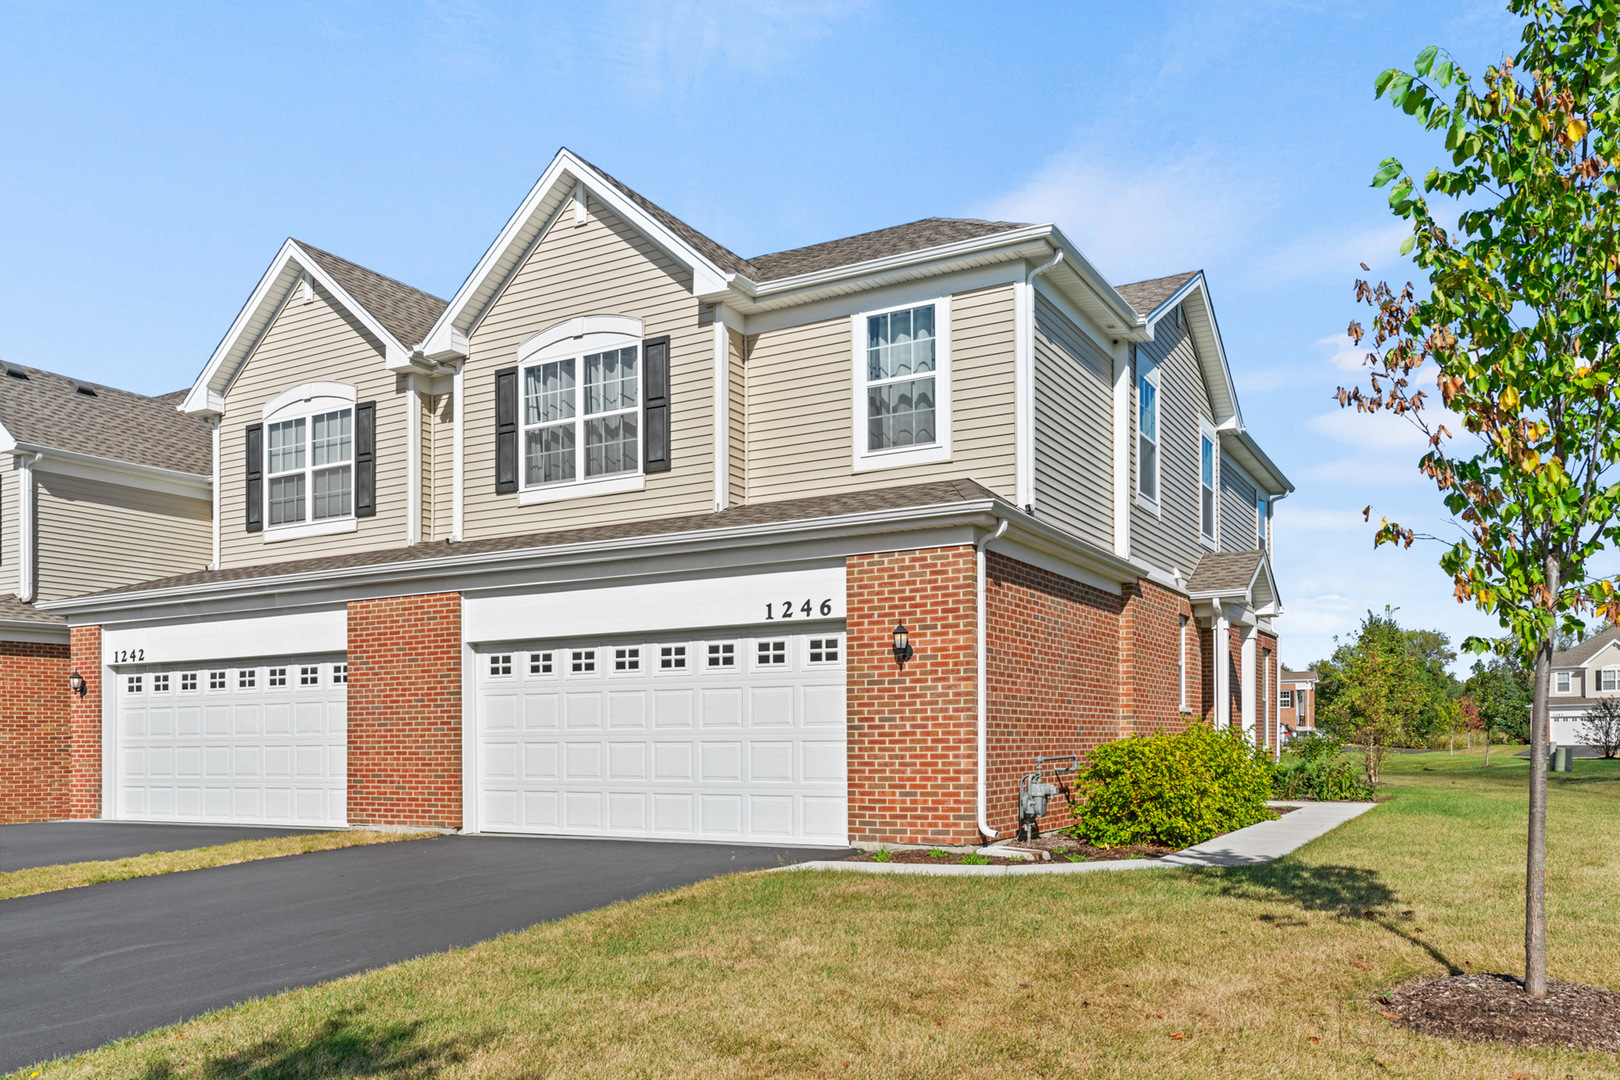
(43, 879)
(1263, 971)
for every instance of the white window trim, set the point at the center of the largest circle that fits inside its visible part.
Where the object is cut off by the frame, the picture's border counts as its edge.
(1150, 503)
(1206, 430)
(575, 339)
(1565, 677)
(940, 449)
(1610, 667)
(303, 402)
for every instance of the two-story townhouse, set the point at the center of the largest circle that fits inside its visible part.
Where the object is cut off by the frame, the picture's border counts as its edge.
(636, 537)
(103, 488)
(1298, 705)
(1581, 677)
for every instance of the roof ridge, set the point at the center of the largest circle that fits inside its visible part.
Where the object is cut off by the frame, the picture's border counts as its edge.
(350, 262)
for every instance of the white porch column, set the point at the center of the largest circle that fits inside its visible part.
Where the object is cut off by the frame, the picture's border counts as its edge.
(1246, 658)
(1221, 631)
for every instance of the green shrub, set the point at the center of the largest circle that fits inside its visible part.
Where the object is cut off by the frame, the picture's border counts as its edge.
(1314, 768)
(1176, 790)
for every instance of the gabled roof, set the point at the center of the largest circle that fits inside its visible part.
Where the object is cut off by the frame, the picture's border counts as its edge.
(1146, 297)
(407, 313)
(392, 312)
(1298, 676)
(1586, 650)
(44, 410)
(878, 244)
(1234, 575)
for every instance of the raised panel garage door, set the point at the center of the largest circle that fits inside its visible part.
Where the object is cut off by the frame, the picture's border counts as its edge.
(262, 743)
(713, 739)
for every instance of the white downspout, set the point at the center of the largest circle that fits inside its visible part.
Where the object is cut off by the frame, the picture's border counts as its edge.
(984, 679)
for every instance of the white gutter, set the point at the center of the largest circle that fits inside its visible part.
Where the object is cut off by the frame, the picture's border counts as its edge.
(984, 680)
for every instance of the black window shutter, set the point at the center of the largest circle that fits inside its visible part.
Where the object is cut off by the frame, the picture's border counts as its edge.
(365, 459)
(655, 404)
(506, 431)
(255, 478)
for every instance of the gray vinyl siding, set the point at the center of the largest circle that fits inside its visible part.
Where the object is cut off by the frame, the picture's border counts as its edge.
(800, 429)
(1074, 458)
(441, 427)
(95, 536)
(1238, 525)
(317, 341)
(1169, 539)
(600, 268)
(9, 484)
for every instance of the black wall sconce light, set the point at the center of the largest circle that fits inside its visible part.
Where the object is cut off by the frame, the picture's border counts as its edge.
(76, 681)
(902, 644)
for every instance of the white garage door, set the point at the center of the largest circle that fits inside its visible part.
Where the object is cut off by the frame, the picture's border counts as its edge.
(264, 743)
(714, 739)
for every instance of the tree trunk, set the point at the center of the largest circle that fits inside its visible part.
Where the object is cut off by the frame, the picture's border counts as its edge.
(1535, 878)
(1487, 748)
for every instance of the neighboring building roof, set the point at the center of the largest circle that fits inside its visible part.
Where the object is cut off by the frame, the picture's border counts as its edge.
(896, 240)
(1146, 296)
(1223, 571)
(42, 408)
(13, 610)
(1299, 676)
(896, 498)
(1587, 649)
(405, 312)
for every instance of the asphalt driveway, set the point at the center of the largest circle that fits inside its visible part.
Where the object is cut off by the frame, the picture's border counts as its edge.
(85, 966)
(48, 843)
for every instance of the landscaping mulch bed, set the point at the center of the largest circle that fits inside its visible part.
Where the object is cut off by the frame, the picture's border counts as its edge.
(1494, 1008)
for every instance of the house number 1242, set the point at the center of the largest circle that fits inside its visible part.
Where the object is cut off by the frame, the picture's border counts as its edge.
(788, 611)
(128, 656)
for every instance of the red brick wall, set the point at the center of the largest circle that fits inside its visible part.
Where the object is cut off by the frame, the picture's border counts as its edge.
(1060, 655)
(912, 732)
(1150, 645)
(405, 711)
(34, 738)
(1265, 686)
(84, 719)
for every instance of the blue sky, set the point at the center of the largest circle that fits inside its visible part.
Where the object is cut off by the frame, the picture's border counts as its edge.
(156, 155)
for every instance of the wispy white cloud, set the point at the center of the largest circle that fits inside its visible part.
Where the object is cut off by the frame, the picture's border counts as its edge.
(1342, 353)
(1333, 253)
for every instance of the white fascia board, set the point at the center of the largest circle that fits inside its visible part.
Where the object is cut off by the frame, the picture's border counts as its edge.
(41, 633)
(1240, 446)
(558, 183)
(1206, 335)
(1192, 284)
(1610, 647)
(207, 396)
(884, 530)
(111, 471)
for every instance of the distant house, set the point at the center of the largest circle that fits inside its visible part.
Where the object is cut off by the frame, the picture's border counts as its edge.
(1581, 677)
(1297, 704)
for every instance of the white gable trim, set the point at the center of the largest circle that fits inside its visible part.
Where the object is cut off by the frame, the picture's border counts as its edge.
(1592, 661)
(290, 266)
(557, 185)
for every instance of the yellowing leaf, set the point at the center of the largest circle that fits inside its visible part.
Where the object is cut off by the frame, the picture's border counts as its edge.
(1575, 130)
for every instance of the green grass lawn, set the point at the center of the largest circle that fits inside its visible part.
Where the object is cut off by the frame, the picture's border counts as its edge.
(1259, 972)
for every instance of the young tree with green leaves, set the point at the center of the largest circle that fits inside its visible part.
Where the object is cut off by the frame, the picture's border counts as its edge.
(1381, 691)
(1517, 332)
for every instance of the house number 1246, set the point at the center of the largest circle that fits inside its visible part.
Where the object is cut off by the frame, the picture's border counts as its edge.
(788, 611)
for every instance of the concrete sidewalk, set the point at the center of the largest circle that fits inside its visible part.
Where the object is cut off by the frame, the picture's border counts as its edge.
(1262, 843)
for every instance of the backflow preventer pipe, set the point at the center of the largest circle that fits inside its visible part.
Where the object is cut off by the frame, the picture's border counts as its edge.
(984, 677)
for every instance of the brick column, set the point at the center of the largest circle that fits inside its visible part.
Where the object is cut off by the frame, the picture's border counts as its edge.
(84, 719)
(912, 732)
(34, 731)
(405, 711)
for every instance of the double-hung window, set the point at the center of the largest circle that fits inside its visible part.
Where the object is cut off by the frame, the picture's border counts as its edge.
(1286, 699)
(1260, 521)
(1206, 486)
(902, 400)
(579, 410)
(1561, 682)
(1147, 431)
(1609, 679)
(311, 468)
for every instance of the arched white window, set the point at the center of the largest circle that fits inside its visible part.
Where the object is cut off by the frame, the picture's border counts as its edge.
(309, 452)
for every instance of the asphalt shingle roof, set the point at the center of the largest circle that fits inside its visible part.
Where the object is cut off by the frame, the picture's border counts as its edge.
(47, 409)
(405, 312)
(914, 495)
(1587, 649)
(1217, 571)
(14, 610)
(1299, 676)
(863, 247)
(1146, 296)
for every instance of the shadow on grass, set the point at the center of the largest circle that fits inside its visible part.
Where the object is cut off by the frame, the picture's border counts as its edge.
(344, 1045)
(1343, 892)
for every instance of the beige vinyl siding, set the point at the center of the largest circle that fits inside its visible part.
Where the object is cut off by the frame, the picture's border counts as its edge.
(9, 485)
(1074, 457)
(1238, 523)
(96, 536)
(600, 268)
(737, 396)
(1169, 539)
(800, 431)
(316, 341)
(441, 423)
